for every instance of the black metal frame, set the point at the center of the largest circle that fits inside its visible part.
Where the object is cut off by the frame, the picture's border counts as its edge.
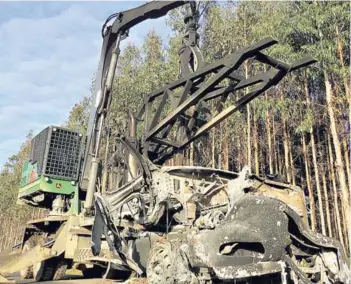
(198, 89)
(63, 154)
(57, 152)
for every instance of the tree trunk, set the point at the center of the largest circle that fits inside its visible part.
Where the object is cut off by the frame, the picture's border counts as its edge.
(309, 186)
(286, 150)
(269, 140)
(335, 227)
(292, 167)
(248, 137)
(344, 227)
(225, 147)
(319, 193)
(262, 158)
(213, 147)
(276, 149)
(338, 156)
(324, 186)
(248, 124)
(255, 142)
(326, 204)
(240, 155)
(347, 161)
(315, 165)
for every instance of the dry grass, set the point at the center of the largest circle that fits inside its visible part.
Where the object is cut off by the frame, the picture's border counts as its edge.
(74, 271)
(136, 281)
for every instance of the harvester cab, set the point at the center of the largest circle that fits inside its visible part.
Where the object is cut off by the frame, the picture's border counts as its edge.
(50, 177)
(170, 224)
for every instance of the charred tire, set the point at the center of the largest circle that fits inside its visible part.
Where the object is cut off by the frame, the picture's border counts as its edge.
(27, 273)
(50, 269)
(44, 270)
(61, 268)
(159, 268)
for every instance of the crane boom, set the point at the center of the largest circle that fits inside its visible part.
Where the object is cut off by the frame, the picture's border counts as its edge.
(112, 36)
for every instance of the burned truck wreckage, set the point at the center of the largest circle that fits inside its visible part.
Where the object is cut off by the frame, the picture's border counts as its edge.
(185, 224)
(132, 214)
(212, 225)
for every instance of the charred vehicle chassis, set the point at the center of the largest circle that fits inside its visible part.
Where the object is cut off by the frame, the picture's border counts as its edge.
(202, 225)
(209, 226)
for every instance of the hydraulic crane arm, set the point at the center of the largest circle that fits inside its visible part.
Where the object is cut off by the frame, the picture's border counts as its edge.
(128, 19)
(112, 36)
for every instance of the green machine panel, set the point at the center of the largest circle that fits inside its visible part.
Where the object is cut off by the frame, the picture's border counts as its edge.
(48, 185)
(53, 166)
(47, 188)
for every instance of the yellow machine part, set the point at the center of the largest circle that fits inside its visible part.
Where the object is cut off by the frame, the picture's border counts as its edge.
(33, 256)
(24, 260)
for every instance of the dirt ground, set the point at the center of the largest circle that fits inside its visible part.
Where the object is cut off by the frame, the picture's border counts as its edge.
(73, 279)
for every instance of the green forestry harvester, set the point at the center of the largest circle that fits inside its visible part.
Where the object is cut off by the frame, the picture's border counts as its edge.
(170, 224)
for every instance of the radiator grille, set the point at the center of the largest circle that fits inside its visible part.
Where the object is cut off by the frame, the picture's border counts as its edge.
(38, 147)
(63, 156)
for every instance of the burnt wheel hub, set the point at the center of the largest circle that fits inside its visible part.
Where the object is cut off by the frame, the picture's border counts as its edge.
(159, 268)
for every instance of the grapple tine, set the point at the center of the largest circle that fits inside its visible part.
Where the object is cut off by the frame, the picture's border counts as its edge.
(303, 62)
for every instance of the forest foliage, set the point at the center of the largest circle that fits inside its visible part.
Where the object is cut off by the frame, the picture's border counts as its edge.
(297, 131)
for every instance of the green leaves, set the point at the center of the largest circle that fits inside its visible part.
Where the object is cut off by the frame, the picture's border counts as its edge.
(308, 121)
(79, 116)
